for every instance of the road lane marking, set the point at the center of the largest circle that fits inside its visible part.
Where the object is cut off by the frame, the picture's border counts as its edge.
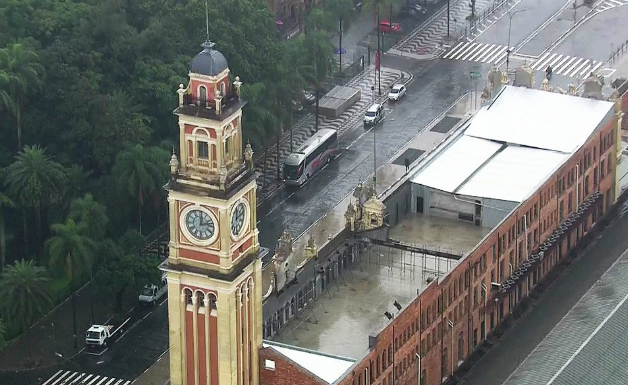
(53, 376)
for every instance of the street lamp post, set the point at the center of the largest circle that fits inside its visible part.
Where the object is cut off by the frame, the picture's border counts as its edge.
(379, 57)
(510, 16)
(419, 376)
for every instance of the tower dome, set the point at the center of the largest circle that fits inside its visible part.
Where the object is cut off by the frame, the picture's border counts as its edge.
(209, 61)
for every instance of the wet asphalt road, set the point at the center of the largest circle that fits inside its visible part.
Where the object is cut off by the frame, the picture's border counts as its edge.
(436, 85)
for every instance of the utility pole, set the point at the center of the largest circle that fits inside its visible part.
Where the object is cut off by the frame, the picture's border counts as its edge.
(448, 18)
(378, 58)
(510, 16)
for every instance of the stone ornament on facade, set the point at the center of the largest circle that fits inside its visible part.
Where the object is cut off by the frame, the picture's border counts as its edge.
(174, 165)
(311, 251)
(223, 175)
(248, 156)
(284, 246)
(524, 76)
(181, 91)
(373, 214)
(350, 217)
(237, 84)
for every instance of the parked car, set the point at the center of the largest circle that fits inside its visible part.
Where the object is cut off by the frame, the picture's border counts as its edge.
(412, 10)
(388, 27)
(153, 293)
(309, 98)
(397, 92)
(374, 115)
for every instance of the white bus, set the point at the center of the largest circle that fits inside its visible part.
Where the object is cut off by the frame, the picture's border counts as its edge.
(315, 153)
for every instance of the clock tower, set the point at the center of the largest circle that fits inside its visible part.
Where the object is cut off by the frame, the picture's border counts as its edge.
(214, 266)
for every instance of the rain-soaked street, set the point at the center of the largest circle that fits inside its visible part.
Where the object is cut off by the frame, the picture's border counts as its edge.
(436, 85)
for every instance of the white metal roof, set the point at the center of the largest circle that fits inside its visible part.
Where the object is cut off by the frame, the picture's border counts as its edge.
(513, 174)
(539, 119)
(326, 367)
(455, 164)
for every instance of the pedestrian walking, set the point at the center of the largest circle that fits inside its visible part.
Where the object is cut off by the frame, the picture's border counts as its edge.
(407, 163)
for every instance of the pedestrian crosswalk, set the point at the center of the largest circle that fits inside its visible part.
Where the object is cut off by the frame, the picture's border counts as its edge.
(66, 377)
(564, 65)
(609, 4)
(478, 52)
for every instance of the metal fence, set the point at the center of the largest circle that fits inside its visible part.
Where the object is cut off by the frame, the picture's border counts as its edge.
(622, 49)
(480, 18)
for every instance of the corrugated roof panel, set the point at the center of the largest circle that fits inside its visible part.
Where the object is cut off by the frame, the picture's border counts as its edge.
(589, 345)
(456, 163)
(540, 119)
(513, 174)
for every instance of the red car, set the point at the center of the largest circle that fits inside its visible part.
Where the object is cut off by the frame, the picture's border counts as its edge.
(388, 27)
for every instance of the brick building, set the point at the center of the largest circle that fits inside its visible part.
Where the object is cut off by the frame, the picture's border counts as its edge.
(540, 213)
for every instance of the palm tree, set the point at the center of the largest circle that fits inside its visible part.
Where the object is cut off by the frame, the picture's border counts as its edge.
(141, 171)
(34, 180)
(315, 56)
(343, 11)
(3, 334)
(86, 211)
(259, 119)
(20, 74)
(25, 290)
(5, 202)
(71, 249)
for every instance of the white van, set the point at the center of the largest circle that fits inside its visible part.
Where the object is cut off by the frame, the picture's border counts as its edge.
(152, 293)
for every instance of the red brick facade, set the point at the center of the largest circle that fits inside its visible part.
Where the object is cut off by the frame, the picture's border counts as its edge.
(285, 371)
(423, 326)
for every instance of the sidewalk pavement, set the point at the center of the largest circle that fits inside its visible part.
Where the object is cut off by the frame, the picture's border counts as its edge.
(304, 128)
(157, 374)
(36, 347)
(429, 40)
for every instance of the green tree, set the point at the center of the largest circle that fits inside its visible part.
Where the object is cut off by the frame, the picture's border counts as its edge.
(119, 271)
(140, 172)
(21, 74)
(5, 202)
(25, 290)
(86, 211)
(72, 250)
(317, 53)
(341, 10)
(34, 180)
(3, 334)
(262, 124)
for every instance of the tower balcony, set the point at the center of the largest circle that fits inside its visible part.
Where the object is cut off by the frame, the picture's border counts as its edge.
(206, 109)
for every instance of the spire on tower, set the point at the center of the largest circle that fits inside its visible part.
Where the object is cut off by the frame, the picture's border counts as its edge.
(207, 41)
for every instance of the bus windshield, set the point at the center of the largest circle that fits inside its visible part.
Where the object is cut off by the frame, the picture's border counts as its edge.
(292, 172)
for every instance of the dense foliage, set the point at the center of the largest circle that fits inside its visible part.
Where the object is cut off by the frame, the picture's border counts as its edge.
(87, 89)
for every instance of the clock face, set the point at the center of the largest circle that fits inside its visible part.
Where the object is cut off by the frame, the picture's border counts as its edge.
(200, 224)
(237, 219)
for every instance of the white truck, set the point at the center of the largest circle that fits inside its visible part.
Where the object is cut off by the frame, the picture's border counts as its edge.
(101, 335)
(153, 293)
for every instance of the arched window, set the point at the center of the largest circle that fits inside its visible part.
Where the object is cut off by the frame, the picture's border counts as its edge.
(202, 96)
(222, 89)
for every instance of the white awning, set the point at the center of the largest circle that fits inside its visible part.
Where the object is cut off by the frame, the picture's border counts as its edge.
(456, 163)
(513, 174)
